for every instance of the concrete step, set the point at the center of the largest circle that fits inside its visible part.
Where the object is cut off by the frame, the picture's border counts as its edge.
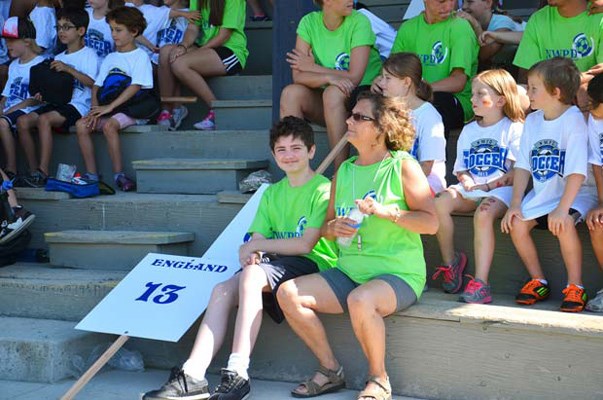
(193, 176)
(259, 43)
(442, 349)
(242, 87)
(233, 197)
(125, 385)
(41, 350)
(88, 249)
(243, 114)
(30, 290)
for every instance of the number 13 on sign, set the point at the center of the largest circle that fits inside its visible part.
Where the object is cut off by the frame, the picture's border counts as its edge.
(167, 294)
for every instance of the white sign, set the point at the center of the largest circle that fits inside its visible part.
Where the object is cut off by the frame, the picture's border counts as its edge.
(164, 294)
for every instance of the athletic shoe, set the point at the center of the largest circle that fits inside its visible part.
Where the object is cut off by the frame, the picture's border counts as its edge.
(596, 304)
(208, 123)
(124, 183)
(532, 292)
(91, 177)
(574, 299)
(178, 115)
(452, 275)
(37, 179)
(232, 387)
(180, 386)
(476, 292)
(260, 18)
(22, 220)
(164, 118)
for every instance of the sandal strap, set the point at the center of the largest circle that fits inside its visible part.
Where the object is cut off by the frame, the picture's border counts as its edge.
(382, 392)
(332, 375)
(375, 380)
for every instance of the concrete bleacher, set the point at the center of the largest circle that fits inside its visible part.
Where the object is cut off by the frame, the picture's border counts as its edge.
(438, 349)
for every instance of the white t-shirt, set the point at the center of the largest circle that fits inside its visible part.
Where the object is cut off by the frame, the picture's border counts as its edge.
(45, 21)
(499, 21)
(17, 85)
(4, 58)
(84, 61)
(135, 64)
(546, 152)
(430, 143)
(157, 18)
(172, 32)
(595, 141)
(384, 32)
(98, 36)
(487, 154)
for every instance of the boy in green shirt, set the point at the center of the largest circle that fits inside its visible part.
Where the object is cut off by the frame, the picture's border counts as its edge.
(285, 243)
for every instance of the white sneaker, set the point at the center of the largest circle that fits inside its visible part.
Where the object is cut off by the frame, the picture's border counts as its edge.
(178, 115)
(596, 303)
(164, 118)
(208, 124)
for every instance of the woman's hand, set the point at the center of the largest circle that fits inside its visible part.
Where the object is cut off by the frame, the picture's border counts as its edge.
(300, 61)
(370, 206)
(342, 227)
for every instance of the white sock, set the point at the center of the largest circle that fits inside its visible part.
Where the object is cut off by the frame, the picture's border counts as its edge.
(239, 364)
(194, 369)
(544, 281)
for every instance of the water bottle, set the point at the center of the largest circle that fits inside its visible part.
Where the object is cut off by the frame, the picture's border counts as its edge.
(357, 216)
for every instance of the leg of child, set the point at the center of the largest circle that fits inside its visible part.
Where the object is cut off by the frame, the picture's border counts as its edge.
(111, 132)
(571, 251)
(446, 203)
(46, 122)
(525, 247)
(84, 138)
(488, 211)
(596, 239)
(168, 84)
(24, 125)
(12, 199)
(193, 67)
(10, 147)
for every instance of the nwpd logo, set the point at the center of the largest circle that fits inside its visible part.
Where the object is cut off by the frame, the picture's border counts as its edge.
(485, 157)
(342, 62)
(439, 53)
(582, 45)
(301, 226)
(547, 160)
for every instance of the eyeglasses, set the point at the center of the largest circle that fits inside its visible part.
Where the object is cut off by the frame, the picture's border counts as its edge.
(359, 117)
(65, 28)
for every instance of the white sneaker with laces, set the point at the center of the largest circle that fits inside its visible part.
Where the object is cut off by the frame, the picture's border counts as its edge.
(178, 115)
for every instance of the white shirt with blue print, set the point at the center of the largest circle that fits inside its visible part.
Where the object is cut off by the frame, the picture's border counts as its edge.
(98, 36)
(86, 62)
(17, 85)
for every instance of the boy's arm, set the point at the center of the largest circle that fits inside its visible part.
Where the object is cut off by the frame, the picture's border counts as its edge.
(521, 178)
(191, 16)
(62, 67)
(559, 217)
(97, 111)
(286, 247)
(594, 219)
(147, 43)
(30, 101)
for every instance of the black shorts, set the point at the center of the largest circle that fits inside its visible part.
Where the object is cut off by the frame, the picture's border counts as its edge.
(542, 223)
(67, 111)
(11, 119)
(450, 109)
(229, 59)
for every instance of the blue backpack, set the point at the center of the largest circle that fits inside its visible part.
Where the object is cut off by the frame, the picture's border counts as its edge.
(144, 104)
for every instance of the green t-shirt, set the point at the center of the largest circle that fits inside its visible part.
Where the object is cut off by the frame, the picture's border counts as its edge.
(233, 19)
(285, 212)
(549, 35)
(385, 247)
(333, 49)
(442, 47)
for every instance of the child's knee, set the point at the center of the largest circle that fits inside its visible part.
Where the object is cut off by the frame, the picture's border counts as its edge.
(111, 127)
(81, 127)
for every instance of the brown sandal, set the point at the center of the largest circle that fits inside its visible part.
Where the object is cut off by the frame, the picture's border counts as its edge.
(383, 391)
(336, 381)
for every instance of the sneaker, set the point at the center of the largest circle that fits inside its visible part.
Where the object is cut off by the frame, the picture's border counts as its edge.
(260, 18)
(476, 292)
(232, 387)
(180, 386)
(452, 275)
(532, 292)
(37, 179)
(91, 177)
(596, 304)
(124, 183)
(164, 118)
(22, 221)
(178, 115)
(574, 299)
(208, 124)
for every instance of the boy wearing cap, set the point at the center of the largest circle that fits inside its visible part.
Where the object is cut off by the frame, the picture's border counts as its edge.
(20, 35)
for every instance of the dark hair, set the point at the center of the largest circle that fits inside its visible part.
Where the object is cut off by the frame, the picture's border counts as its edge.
(73, 4)
(113, 4)
(77, 16)
(402, 65)
(595, 90)
(130, 17)
(292, 126)
(216, 10)
(392, 119)
(561, 73)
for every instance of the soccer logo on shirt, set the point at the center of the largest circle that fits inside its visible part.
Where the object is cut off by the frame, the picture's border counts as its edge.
(582, 45)
(342, 62)
(485, 157)
(547, 160)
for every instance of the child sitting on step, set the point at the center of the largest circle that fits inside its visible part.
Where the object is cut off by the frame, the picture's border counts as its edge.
(553, 152)
(486, 151)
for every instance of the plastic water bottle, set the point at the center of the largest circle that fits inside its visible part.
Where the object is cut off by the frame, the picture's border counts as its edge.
(357, 216)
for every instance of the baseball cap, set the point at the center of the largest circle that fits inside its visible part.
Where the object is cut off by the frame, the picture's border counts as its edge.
(18, 28)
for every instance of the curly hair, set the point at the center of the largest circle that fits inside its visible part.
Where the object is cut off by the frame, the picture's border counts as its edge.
(130, 17)
(392, 119)
(292, 126)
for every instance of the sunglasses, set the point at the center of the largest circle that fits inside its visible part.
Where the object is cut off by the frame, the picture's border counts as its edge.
(359, 117)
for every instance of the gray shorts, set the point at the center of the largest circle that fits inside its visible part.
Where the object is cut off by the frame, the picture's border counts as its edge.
(342, 285)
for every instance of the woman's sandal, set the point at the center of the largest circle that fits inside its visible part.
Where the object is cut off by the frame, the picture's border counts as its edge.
(336, 381)
(383, 391)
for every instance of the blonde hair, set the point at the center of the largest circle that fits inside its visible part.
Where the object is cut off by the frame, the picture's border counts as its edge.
(504, 85)
(392, 119)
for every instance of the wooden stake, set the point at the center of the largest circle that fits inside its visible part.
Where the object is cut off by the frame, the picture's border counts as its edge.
(94, 368)
(332, 154)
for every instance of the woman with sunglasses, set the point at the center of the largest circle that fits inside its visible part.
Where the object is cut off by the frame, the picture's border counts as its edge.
(334, 57)
(382, 271)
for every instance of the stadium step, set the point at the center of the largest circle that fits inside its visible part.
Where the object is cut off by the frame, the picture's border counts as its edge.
(193, 176)
(112, 250)
(30, 290)
(41, 350)
(243, 114)
(242, 87)
(233, 197)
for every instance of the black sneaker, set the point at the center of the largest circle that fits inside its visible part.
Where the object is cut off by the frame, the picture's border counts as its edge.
(37, 179)
(232, 387)
(180, 386)
(22, 220)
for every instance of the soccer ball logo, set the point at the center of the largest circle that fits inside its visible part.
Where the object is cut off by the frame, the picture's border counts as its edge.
(301, 226)
(545, 149)
(342, 62)
(439, 53)
(582, 45)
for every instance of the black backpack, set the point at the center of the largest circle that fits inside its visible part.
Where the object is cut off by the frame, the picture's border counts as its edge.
(50, 83)
(11, 250)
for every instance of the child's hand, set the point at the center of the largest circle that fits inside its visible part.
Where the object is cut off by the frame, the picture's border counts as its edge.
(506, 225)
(60, 66)
(90, 121)
(192, 16)
(468, 184)
(594, 219)
(248, 255)
(558, 221)
(176, 52)
(99, 111)
(38, 97)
